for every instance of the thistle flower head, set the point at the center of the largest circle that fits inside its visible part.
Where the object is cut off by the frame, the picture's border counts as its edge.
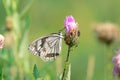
(70, 25)
(116, 62)
(1, 41)
(107, 32)
(72, 31)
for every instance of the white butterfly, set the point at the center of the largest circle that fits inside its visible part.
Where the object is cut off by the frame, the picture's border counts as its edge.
(47, 47)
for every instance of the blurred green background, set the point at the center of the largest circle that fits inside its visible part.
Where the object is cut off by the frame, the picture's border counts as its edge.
(47, 16)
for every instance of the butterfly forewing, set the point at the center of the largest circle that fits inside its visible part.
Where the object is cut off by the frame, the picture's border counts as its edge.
(47, 47)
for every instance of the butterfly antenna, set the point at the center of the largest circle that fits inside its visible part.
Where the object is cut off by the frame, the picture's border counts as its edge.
(61, 29)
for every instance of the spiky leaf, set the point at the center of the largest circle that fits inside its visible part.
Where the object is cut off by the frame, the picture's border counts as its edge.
(36, 73)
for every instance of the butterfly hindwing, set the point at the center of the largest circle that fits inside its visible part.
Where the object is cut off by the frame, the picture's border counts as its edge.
(47, 47)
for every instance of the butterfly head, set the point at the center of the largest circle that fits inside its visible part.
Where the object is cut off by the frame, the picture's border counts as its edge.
(78, 33)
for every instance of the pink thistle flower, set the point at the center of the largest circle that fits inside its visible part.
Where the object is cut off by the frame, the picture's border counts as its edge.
(1, 41)
(72, 32)
(70, 25)
(116, 62)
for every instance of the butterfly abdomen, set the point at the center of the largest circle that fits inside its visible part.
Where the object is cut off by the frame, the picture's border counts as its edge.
(52, 54)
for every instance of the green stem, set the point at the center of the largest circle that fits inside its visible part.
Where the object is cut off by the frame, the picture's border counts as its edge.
(66, 61)
(108, 64)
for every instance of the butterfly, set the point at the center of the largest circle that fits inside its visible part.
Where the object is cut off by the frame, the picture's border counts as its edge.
(47, 47)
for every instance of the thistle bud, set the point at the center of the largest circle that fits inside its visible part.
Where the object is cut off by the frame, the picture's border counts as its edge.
(1, 41)
(9, 23)
(107, 32)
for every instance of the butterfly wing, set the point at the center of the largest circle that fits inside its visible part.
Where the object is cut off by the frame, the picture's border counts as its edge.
(47, 47)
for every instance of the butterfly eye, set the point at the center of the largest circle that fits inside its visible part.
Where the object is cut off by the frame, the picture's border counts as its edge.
(78, 33)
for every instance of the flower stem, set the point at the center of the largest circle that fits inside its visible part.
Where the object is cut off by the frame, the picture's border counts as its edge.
(66, 61)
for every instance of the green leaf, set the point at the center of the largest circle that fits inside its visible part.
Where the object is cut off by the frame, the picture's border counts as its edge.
(59, 77)
(36, 73)
(0, 72)
(3, 63)
(25, 10)
(27, 24)
(67, 73)
(46, 77)
(7, 5)
(24, 33)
